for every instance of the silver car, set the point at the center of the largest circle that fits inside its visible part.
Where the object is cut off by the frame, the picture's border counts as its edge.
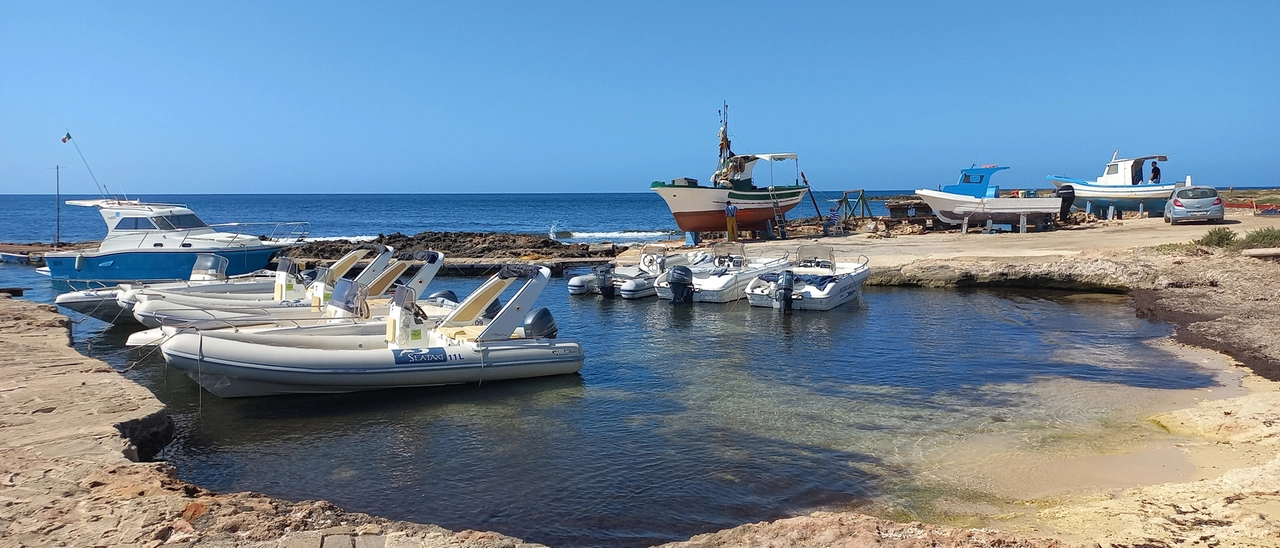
(1194, 203)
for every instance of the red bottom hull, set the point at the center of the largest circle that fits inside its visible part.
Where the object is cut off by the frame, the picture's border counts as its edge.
(714, 221)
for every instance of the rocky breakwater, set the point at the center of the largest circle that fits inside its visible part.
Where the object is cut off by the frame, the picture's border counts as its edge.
(74, 438)
(485, 245)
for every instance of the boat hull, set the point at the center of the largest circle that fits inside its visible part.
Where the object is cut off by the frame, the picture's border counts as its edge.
(144, 265)
(701, 209)
(954, 208)
(97, 303)
(232, 369)
(847, 288)
(721, 285)
(1145, 196)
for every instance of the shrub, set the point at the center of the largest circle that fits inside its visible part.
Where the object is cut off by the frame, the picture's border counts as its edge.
(1218, 237)
(1263, 237)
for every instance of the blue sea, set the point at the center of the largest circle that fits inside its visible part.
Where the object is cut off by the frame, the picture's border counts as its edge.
(622, 218)
(683, 420)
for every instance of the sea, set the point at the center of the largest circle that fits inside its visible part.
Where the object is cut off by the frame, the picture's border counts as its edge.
(683, 420)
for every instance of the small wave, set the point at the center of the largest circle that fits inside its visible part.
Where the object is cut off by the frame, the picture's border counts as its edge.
(619, 234)
(334, 238)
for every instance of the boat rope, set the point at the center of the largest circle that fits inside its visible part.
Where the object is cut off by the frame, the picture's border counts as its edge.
(101, 188)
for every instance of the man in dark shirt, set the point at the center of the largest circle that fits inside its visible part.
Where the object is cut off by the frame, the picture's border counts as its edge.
(1155, 173)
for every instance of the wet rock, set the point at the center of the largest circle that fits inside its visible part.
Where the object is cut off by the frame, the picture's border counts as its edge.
(491, 245)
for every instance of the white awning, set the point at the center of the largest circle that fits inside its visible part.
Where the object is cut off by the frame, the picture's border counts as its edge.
(772, 157)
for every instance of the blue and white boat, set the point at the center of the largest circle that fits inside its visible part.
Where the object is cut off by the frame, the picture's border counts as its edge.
(148, 242)
(1122, 186)
(974, 198)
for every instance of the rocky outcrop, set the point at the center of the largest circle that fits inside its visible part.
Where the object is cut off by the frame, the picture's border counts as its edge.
(489, 245)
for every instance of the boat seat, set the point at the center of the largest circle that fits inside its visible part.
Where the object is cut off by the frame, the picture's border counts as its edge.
(466, 333)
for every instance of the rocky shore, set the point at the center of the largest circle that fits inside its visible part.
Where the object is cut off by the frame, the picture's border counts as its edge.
(73, 429)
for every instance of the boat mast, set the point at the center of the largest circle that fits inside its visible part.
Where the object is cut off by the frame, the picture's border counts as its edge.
(57, 201)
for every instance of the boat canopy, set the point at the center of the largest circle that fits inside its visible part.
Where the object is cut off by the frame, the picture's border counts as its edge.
(774, 157)
(976, 182)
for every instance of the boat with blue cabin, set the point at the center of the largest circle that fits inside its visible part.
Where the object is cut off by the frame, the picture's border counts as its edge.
(974, 198)
(1121, 186)
(148, 242)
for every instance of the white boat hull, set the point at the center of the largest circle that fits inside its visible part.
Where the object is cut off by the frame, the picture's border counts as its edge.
(722, 285)
(846, 288)
(232, 368)
(954, 208)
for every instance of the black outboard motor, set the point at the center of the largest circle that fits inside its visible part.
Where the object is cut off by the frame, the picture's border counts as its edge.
(491, 311)
(786, 285)
(604, 280)
(446, 294)
(539, 324)
(1068, 195)
(681, 279)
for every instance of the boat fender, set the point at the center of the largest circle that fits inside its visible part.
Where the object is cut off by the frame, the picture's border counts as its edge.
(79, 261)
(786, 285)
(540, 325)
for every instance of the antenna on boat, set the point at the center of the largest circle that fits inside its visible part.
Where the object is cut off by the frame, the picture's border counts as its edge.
(102, 189)
(1115, 154)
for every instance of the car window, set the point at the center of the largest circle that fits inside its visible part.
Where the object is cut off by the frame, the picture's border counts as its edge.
(1197, 193)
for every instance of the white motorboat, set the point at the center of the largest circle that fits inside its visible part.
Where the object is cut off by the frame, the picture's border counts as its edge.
(975, 199)
(1121, 186)
(209, 272)
(816, 282)
(519, 342)
(148, 242)
(724, 280)
(379, 278)
(699, 208)
(634, 282)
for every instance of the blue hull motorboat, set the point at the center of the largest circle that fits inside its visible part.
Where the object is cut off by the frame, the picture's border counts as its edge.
(1121, 186)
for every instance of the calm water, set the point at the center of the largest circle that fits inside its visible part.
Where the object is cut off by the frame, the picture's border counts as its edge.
(683, 420)
(623, 218)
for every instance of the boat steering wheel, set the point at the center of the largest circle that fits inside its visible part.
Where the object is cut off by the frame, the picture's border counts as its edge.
(723, 260)
(648, 261)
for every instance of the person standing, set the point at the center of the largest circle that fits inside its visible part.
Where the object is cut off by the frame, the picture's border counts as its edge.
(1155, 173)
(731, 221)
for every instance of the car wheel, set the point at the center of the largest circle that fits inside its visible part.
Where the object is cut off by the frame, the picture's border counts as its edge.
(1166, 218)
(1173, 221)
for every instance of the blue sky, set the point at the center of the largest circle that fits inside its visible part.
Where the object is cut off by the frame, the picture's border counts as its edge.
(214, 97)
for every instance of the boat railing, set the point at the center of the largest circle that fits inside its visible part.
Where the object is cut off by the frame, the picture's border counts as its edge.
(280, 231)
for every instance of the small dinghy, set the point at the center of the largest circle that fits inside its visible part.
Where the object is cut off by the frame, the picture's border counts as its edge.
(723, 281)
(634, 282)
(816, 282)
(412, 350)
(209, 274)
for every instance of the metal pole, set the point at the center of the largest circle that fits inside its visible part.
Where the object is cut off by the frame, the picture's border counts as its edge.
(57, 200)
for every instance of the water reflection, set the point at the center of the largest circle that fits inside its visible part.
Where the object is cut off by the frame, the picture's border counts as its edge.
(687, 419)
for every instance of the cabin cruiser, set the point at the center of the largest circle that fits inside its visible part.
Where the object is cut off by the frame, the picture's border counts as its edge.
(634, 282)
(412, 350)
(724, 280)
(815, 282)
(1122, 186)
(148, 242)
(974, 198)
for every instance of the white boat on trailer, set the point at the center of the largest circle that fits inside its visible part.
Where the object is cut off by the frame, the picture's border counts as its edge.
(519, 342)
(723, 281)
(634, 282)
(816, 282)
(1121, 186)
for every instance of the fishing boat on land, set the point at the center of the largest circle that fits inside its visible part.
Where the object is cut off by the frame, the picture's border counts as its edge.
(724, 280)
(634, 282)
(816, 282)
(1122, 186)
(698, 208)
(974, 198)
(148, 242)
(518, 342)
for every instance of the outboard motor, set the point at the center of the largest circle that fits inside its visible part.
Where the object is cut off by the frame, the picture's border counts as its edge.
(786, 286)
(540, 325)
(491, 311)
(604, 280)
(1068, 195)
(680, 278)
(446, 294)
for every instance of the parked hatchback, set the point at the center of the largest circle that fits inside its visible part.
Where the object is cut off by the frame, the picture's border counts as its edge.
(1198, 203)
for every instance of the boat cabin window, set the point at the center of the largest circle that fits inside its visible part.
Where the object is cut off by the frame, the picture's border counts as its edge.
(177, 222)
(135, 223)
(1113, 169)
(975, 179)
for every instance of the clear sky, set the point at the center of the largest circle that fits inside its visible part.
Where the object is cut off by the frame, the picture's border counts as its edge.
(230, 97)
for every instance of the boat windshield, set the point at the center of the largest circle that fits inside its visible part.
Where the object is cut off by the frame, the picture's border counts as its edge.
(134, 223)
(178, 222)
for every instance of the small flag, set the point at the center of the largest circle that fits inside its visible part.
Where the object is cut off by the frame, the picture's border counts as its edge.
(66, 137)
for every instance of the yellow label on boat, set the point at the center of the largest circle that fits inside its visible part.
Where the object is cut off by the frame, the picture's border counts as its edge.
(415, 334)
(288, 287)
